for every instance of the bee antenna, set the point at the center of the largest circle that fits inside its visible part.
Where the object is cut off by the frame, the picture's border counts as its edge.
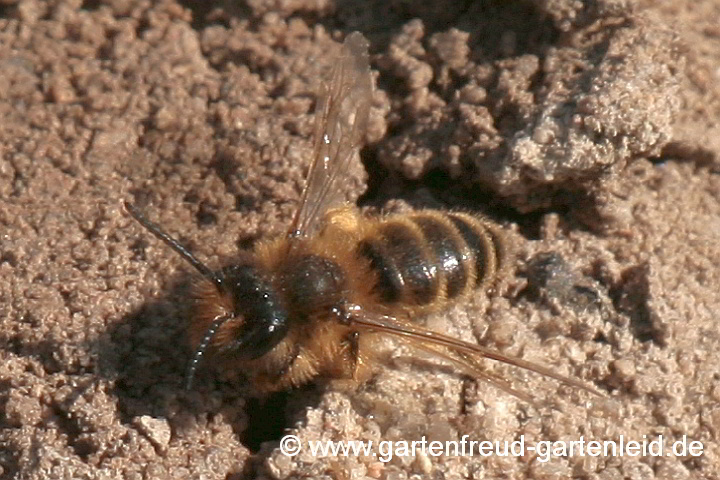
(202, 347)
(174, 244)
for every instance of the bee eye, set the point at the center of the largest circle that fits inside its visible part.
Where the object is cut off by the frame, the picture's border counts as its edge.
(265, 320)
(256, 338)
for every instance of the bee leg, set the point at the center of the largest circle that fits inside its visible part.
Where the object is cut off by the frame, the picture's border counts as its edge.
(353, 339)
(354, 367)
(349, 361)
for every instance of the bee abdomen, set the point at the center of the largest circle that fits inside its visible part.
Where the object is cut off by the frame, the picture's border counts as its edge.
(430, 257)
(399, 256)
(485, 245)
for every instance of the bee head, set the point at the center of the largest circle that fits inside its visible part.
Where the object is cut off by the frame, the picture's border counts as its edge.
(252, 323)
(263, 321)
(258, 322)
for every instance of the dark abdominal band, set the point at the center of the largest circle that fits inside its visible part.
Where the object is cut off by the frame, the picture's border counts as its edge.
(404, 271)
(421, 257)
(483, 245)
(449, 251)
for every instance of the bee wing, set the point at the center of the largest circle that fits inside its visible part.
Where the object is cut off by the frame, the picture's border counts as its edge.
(459, 352)
(472, 369)
(341, 120)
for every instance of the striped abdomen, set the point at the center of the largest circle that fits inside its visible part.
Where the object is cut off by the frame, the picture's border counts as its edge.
(428, 258)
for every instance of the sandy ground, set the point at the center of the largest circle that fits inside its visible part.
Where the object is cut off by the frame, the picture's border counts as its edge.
(588, 129)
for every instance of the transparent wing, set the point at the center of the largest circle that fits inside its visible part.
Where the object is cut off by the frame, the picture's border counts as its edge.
(460, 353)
(340, 124)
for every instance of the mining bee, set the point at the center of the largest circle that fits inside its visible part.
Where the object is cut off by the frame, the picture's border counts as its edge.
(313, 302)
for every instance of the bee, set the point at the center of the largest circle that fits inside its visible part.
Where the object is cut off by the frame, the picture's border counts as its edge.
(310, 303)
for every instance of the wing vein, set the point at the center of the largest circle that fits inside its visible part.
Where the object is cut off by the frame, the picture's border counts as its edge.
(341, 120)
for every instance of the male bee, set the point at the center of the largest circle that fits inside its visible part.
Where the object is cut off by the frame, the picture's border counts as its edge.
(308, 304)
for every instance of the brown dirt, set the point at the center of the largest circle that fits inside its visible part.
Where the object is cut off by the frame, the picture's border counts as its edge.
(589, 129)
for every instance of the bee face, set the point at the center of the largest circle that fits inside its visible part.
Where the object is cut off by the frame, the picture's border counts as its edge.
(263, 320)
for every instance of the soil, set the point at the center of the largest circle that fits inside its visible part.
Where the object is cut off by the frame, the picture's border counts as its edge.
(588, 130)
